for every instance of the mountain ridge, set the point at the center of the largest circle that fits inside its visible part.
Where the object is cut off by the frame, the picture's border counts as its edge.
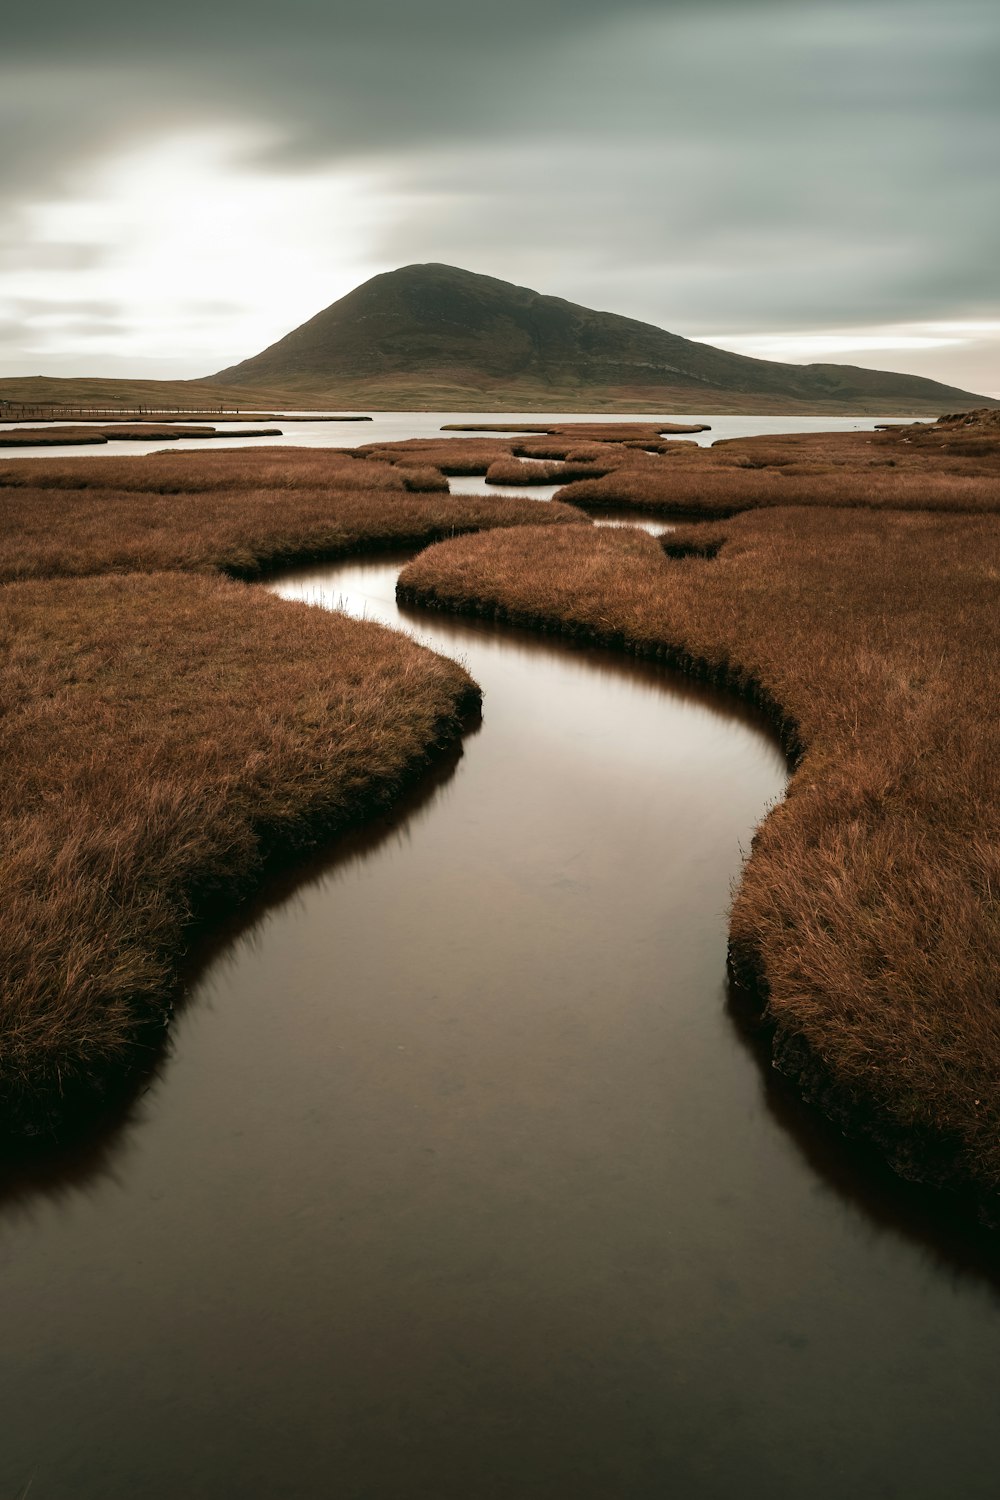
(440, 330)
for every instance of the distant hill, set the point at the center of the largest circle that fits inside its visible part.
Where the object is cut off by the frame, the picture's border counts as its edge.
(437, 336)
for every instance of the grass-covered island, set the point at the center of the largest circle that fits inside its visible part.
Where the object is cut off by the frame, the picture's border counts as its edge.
(83, 436)
(866, 921)
(242, 511)
(166, 727)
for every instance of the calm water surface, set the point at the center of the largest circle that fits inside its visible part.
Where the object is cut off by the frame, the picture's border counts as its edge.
(461, 1180)
(621, 516)
(394, 426)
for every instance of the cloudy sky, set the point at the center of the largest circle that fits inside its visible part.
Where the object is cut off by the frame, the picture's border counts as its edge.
(183, 184)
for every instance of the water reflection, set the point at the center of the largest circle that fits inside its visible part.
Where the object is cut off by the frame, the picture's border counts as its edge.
(942, 1228)
(85, 1153)
(366, 587)
(475, 484)
(619, 515)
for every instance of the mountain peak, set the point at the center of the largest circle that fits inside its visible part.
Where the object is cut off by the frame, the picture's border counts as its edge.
(430, 333)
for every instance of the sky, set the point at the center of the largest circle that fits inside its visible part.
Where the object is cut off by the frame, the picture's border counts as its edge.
(816, 180)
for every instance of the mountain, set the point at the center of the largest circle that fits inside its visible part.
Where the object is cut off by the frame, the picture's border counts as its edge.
(434, 335)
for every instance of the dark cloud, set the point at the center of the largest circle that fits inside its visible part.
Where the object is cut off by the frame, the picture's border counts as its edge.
(336, 80)
(120, 28)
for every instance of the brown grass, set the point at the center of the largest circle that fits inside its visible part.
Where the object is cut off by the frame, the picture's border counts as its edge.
(865, 470)
(160, 734)
(516, 471)
(622, 432)
(232, 469)
(607, 430)
(239, 511)
(632, 465)
(50, 437)
(458, 456)
(868, 909)
(170, 433)
(499, 427)
(169, 415)
(712, 492)
(605, 443)
(421, 480)
(141, 432)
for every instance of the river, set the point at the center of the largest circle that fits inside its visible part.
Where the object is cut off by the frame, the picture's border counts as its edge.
(463, 1179)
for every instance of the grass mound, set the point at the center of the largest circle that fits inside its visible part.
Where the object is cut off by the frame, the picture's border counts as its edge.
(876, 471)
(161, 731)
(182, 472)
(457, 456)
(234, 513)
(160, 734)
(50, 437)
(516, 471)
(867, 913)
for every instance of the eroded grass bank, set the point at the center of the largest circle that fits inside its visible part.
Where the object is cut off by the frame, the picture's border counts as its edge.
(161, 732)
(867, 913)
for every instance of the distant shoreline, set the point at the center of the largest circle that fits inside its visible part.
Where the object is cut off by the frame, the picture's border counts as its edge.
(353, 401)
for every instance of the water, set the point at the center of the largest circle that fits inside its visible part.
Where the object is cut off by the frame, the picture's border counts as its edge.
(462, 1180)
(391, 427)
(475, 484)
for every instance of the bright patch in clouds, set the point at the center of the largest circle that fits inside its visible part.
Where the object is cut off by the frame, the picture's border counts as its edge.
(186, 248)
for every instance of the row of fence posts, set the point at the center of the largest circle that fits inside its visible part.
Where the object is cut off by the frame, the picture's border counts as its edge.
(17, 411)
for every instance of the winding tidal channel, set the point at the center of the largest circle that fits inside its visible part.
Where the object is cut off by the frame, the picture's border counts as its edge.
(462, 1180)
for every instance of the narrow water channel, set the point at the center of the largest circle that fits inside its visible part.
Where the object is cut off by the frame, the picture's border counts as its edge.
(619, 515)
(461, 1182)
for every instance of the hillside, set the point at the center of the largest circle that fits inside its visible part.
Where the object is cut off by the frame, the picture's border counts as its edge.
(155, 395)
(434, 335)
